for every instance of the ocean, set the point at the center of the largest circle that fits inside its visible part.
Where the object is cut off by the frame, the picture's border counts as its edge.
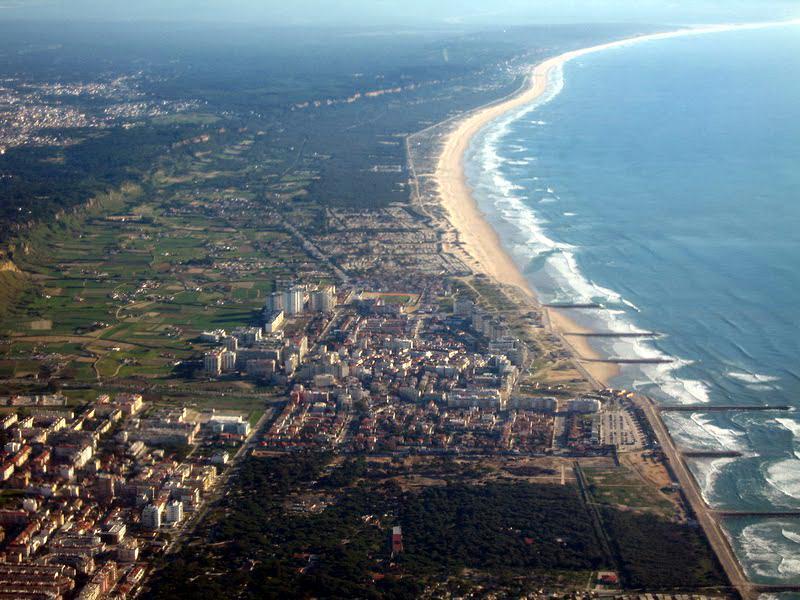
(662, 180)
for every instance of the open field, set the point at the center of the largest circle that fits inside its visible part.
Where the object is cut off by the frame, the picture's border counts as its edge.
(123, 290)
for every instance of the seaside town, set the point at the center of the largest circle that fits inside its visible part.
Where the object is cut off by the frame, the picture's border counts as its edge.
(92, 493)
(379, 337)
(89, 495)
(381, 341)
(384, 372)
(45, 114)
(256, 345)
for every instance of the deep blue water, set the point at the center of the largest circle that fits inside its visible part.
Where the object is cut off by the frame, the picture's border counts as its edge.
(663, 181)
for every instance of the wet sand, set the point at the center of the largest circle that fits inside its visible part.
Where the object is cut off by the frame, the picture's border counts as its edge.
(476, 237)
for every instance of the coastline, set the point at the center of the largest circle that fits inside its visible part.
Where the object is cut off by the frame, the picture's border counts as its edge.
(476, 237)
(485, 254)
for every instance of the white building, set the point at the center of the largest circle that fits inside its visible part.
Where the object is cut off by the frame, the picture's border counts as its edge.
(248, 336)
(324, 299)
(228, 361)
(401, 344)
(128, 551)
(583, 405)
(260, 367)
(290, 363)
(229, 424)
(274, 302)
(273, 321)
(212, 363)
(294, 300)
(546, 404)
(151, 516)
(212, 337)
(481, 398)
(298, 346)
(174, 512)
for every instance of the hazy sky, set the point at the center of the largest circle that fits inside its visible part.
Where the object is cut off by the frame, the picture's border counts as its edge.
(401, 12)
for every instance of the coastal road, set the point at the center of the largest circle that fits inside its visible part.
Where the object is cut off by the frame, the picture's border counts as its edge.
(710, 523)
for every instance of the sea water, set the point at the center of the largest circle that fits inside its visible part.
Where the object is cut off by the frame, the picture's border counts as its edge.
(662, 180)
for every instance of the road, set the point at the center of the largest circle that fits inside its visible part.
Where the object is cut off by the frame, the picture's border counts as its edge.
(220, 485)
(710, 524)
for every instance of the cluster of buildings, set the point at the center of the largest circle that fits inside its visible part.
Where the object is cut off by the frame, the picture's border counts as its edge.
(41, 114)
(294, 300)
(266, 352)
(144, 291)
(40, 400)
(393, 377)
(384, 246)
(91, 494)
(247, 351)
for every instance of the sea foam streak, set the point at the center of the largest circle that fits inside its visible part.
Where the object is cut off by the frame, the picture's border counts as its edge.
(784, 477)
(752, 377)
(707, 472)
(699, 431)
(794, 427)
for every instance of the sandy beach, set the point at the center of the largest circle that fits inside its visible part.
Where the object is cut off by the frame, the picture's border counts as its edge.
(476, 236)
(485, 254)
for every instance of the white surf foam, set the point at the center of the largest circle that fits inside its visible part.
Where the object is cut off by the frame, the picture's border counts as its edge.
(560, 257)
(755, 382)
(772, 549)
(784, 477)
(707, 472)
(794, 427)
(631, 304)
(701, 431)
(752, 377)
(726, 438)
(791, 536)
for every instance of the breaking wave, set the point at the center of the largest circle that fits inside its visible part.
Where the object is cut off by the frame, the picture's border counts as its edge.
(784, 477)
(772, 549)
(536, 251)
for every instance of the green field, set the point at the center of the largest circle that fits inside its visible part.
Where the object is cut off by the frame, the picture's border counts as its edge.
(121, 290)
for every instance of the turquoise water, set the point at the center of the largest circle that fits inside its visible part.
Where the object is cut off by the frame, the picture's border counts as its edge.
(662, 180)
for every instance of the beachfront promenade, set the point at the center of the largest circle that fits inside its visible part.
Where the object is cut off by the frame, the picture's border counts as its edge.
(710, 520)
(710, 524)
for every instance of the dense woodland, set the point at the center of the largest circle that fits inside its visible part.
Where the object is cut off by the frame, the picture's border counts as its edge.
(503, 535)
(47, 181)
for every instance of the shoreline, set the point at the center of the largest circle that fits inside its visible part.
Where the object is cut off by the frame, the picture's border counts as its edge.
(479, 244)
(476, 237)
